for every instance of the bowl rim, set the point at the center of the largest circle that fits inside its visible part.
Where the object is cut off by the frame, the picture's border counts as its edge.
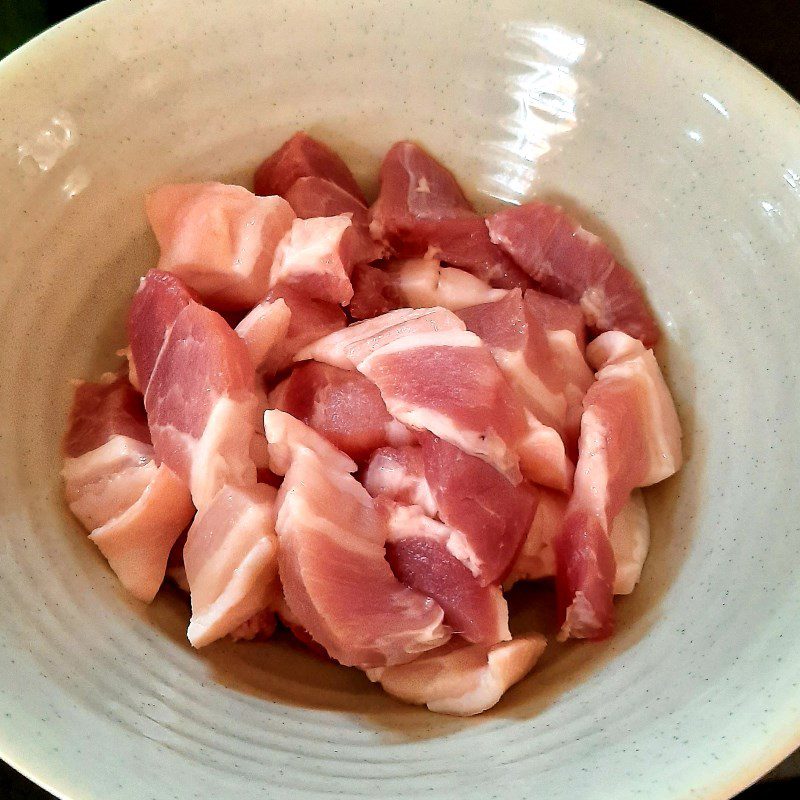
(772, 752)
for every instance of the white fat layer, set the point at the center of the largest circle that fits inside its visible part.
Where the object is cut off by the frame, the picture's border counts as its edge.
(529, 385)
(285, 434)
(580, 615)
(222, 454)
(117, 453)
(425, 283)
(345, 347)
(591, 474)
(247, 593)
(486, 445)
(460, 679)
(619, 356)
(630, 540)
(263, 328)
(426, 339)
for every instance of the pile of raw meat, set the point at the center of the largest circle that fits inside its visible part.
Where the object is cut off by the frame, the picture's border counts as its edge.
(366, 423)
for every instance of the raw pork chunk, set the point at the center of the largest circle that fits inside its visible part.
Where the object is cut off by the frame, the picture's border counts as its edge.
(219, 239)
(459, 678)
(201, 405)
(134, 509)
(570, 262)
(630, 437)
(231, 561)
(303, 157)
(336, 580)
(421, 210)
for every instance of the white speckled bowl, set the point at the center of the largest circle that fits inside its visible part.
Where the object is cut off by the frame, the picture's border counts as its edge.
(685, 157)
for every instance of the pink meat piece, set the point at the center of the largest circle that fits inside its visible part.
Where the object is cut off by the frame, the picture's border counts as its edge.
(543, 457)
(335, 576)
(138, 541)
(492, 516)
(556, 314)
(263, 330)
(115, 488)
(460, 678)
(417, 550)
(285, 435)
(318, 197)
(219, 239)
(105, 482)
(309, 321)
(313, 196)
(347, 348)
(566, 333)
(102, 410)
(303, 157)
(398, 473)
(630, 541)
(159, 299)
(316, 257)
(422, 210)
(201, 404)
(341, 405)
(630, 437)
(375, 292)
(536, 558)
(449, 384)
(231, 561)
(520, 346)
(416, 283)
(570, 262)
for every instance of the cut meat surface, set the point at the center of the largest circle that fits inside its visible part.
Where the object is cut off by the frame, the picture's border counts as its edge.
(630, 437)
(159, 299)
(459, 678)
(570, 262)
(341, 405)
(105, 482)
(492, 516)
(219, 239)
(630, 541)
(231, 561)
(417, 550)
(416, 283)
(349, 347)
(303, 157)
(521, 349)
(543, 458)
(537, 558)
(316, 256)
(566, 334)
(201, 405)
(309, 321)
(286, 435)
(421, 210)
(264, 330)
(100, 411)
(398, 473)
(138, 541)
(335, 577)
(318, 197)
(555, 314)
(134, 509)
(449, 384)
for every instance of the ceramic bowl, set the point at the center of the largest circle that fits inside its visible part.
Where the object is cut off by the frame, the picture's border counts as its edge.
(683, 156)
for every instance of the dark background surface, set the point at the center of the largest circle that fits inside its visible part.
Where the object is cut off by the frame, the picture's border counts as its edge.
(765, 32)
